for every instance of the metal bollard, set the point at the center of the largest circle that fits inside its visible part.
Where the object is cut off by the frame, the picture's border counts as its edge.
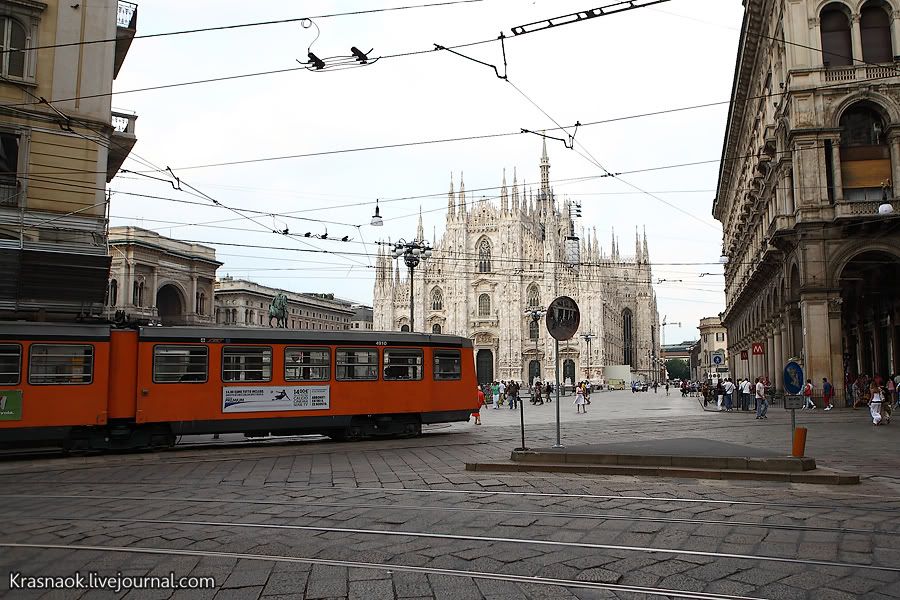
(799, 442)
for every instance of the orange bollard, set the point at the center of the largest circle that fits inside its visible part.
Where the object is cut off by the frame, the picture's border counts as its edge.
(799, 442)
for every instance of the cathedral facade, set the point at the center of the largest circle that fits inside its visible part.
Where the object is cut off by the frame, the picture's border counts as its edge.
(496, 262)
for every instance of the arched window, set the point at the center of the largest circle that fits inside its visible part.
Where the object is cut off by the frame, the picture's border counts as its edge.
(533, 330)
(484, 305)
(875, 29)
(865, 154)
(404, 328)
(837, 50)
(534, 296)
(134, 293)
(484, 256)
(14, 40)
(436, 328)
(627, 338)
(140, 299)
(437, 299)
(113, 292)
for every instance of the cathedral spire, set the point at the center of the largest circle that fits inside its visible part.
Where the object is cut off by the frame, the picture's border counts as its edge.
(515, 192)
(637, 246)
(545, 174)
(504, 195)
(646, 251)
(451, 200)
(462, 196)
(596, 246)
(612, 245)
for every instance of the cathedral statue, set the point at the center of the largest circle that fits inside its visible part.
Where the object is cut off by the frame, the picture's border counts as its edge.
(278, 311)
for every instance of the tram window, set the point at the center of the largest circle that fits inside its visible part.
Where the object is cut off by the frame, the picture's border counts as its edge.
(10, 363)
(402, 364)
(180, 364)
(246, 363)
(447, 364)
(307, 364)
(356, 364)
(53, 364)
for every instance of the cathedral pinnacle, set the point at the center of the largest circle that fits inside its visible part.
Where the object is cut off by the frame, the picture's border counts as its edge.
(451, 201)
(420, 231)
(504, 195)
(646, 251)
(545, 174)
(515, 192)
(462, 195)
(637, 245)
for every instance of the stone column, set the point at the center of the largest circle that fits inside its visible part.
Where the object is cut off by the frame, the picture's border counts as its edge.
(770, 357)
(894, 144)
(778, 355)
(155, 287)
(836, 166)
(192, 308)
(856, 38)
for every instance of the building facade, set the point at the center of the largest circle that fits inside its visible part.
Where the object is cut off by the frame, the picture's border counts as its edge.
(807, 189)
(713, 354)
(56, 157)
(362, 318)
(495, 261)
(161, 280)
(242, 303)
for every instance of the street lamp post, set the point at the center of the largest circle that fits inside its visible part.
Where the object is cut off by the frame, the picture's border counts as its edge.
(587, 337)
(536, 315)
(413, 253)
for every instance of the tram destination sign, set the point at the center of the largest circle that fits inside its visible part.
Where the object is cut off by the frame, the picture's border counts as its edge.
(269, 398)
(563, 318)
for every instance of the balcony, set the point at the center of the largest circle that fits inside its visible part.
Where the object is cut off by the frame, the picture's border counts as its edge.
(126, 28)
(855, 210)
(122, 141)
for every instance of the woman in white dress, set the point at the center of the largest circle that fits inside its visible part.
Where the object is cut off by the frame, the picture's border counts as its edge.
(875, 403)
(579, 399)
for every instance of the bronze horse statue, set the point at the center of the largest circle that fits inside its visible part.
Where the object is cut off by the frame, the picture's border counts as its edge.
(278, 311)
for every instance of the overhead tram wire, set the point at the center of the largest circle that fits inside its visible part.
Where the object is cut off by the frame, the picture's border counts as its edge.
(253, 24)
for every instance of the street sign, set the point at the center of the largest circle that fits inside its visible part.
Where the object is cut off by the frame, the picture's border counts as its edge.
(758, 349)
(793, 378)
(792, 402)
(744, 355)
(563, 318)
(718, 359)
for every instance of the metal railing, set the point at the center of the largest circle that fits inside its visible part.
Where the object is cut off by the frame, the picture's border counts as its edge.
(9, 194)
(123, 122)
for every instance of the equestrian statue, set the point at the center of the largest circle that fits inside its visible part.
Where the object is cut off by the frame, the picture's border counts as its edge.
(278, 311)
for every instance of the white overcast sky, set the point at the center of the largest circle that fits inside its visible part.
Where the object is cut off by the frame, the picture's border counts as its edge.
(675, 54)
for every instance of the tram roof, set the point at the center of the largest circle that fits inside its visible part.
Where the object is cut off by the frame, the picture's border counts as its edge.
(299, 336)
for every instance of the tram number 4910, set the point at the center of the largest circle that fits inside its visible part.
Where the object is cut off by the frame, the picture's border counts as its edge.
(381, 343)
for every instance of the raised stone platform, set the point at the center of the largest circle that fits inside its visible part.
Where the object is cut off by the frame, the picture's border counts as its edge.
(679, 457)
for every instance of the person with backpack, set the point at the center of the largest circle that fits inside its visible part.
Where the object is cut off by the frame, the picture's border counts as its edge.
(807, 395)
(827, 393)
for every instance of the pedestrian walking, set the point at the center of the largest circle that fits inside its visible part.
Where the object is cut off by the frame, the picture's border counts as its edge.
(807, 395)
(579, 400)
(762, 405)
(548, 388)
(495, 394)
(728, 387)
(667, 388)
(512, 394)
(827, 393)
(538, 388)
(477, 412)
(503, 394)
(720, 395)
(745, 394)
(875, 402)
(587, 392)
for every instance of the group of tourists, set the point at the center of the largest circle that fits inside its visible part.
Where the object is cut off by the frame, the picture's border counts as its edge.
(503, 393)
(880, 395)
(539, 391)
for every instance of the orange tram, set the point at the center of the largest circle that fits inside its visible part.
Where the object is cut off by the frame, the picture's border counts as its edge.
(86, 387)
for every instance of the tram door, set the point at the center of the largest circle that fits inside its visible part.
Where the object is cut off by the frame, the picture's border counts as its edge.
(484, 366)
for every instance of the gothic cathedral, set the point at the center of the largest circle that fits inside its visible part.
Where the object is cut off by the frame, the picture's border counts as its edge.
(493, 263)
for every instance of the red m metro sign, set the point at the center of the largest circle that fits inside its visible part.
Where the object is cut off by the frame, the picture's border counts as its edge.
(758, 349)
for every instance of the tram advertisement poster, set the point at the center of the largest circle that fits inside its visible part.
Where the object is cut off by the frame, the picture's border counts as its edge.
(10, 405)
(274, 398)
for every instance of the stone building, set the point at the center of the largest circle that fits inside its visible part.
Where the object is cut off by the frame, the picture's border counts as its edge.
(807, 189)
(243, 303)
(362, 317)
(495, 261)
(713, 356)
(159, 279)
(56, 157)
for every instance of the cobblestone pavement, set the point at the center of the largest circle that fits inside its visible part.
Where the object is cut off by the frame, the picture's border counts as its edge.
(403, 519)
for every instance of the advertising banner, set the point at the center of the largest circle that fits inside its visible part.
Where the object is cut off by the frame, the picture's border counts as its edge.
(272, 398)
(11, 405)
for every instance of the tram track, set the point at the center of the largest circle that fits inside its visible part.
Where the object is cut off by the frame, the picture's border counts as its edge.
(652, 550)
(489, 493)
(391, 568)
(156, 499)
